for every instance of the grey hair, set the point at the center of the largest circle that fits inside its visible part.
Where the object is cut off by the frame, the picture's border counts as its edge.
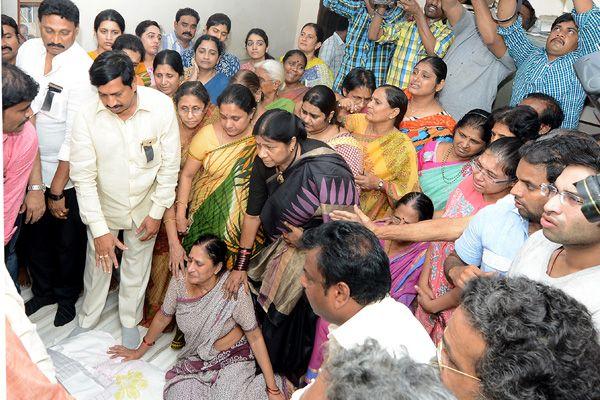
(368, 371)
(274, 69)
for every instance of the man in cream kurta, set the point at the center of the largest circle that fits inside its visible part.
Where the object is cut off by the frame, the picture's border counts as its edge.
(125, 155)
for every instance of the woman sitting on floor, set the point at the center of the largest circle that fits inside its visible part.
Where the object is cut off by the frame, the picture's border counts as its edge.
(224, 341)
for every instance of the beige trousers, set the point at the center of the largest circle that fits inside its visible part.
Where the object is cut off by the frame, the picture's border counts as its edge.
(134, 272)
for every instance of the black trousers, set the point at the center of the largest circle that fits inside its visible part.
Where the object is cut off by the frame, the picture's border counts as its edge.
(54, 251)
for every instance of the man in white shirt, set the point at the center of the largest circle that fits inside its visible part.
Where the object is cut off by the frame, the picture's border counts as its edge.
(566, 253)
(125, 155)
(347, 282)
(56, 243)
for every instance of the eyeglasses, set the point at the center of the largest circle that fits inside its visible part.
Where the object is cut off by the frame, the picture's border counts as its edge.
(195, 111)
(441, 365)
(487, 174)
(572, 199)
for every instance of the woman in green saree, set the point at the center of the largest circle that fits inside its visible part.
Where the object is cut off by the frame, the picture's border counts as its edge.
(219, 164)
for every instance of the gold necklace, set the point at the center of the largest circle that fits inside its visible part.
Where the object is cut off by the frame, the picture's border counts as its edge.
(280, 178)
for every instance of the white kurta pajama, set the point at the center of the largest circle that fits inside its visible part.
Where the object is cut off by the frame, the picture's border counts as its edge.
(118, 184)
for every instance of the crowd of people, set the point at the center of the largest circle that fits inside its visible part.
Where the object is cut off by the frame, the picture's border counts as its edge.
(352, 219)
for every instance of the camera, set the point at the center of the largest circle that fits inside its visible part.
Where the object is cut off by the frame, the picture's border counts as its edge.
(387, 3)
(589, 189)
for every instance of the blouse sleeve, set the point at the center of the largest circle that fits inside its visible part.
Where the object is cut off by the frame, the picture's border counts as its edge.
(258, 193)
(170, 302)
(243, 313)
(201, 143)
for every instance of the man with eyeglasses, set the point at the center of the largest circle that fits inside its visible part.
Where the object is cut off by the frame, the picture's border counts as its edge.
(496, 234)
(513, 338)
(566, 252)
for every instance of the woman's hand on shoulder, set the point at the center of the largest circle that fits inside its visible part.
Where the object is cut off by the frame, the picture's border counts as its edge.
(233, 282)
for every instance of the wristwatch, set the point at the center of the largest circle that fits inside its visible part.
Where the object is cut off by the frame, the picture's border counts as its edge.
(380, 185)
(41, 187)
(55, 197)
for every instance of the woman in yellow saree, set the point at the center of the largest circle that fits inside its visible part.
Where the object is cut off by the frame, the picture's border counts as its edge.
(390, 159)
(219, 164)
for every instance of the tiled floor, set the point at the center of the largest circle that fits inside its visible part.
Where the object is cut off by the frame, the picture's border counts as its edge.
(160, 355)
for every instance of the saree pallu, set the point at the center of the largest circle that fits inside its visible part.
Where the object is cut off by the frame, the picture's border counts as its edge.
(405, 269)
(317, 73)
(439, 179)
(220, 192)
(463, 202)
(390, 157)
(295, 95)
(159, 271)
(318, 182)
(432, 128)
(144, 74)
(347, 146)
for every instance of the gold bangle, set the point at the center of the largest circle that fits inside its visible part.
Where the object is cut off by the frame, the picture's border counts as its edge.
(169, 220)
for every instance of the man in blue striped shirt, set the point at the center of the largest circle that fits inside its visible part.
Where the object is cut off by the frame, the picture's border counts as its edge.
(550, 70)
(360, 51)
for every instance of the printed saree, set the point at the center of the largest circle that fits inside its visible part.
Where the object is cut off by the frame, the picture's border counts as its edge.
(438, 179)
(390, 157)
(201, 371)
(463, 202)
(317, 73)
(220, 195)
(432, 128)
(318, 182)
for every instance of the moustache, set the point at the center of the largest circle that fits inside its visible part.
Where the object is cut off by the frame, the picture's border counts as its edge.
(187, 33)
(118, 106)
(7, 48)
(60, 46)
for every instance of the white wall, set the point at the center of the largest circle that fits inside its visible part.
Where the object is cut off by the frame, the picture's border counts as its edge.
(307, 13)
(278, 18)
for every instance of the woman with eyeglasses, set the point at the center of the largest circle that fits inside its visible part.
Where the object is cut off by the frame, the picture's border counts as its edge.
(406, 261)
(194, 111)
(494, 174)
(443, 165)
(357, 88)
